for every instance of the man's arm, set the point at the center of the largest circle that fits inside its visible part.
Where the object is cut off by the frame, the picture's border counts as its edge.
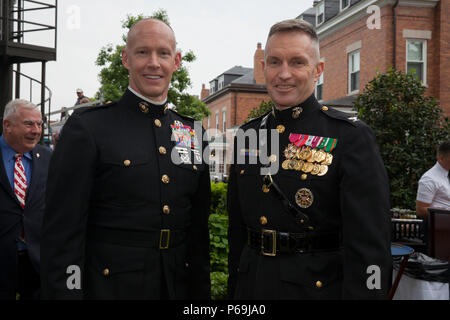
(68, 192)
(365, 208)
(237, 233)
(200, 282)
(422, 209)
(425, 194)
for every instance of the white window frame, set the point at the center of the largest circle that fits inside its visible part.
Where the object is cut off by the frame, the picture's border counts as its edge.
(224, 119)
(221, 83)
(320, 10)
(424, 55)
(319, 83)
(343, 8)
(350, 71)
(217, 120)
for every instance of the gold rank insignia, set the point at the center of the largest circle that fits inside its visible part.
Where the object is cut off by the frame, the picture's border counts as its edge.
(296, 112)
(304, 198)
(145, 108)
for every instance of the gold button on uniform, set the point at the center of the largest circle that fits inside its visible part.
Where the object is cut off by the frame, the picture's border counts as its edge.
(158, 123)
(166, 210)
(263, 221)
(242, 172)
(273, 158)
(281, 129)
(304, 177)
(106, 272)
(325, 108)
(127, 163)
(162, 151)
(319, 284)
(165, 179)
(195, 168)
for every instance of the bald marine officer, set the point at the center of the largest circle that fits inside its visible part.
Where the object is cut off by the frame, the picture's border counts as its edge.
(128, 193)
(309, 204)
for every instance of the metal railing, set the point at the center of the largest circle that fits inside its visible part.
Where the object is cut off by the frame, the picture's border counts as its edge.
(50, 94)
(47, 98)
(14, 25)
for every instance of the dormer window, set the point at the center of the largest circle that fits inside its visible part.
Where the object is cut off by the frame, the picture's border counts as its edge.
(320, 16)
(212, 87)
(345, 4)
(221, 83)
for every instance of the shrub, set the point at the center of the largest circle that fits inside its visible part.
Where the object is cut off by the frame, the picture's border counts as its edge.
(408, 127)
(218, 231)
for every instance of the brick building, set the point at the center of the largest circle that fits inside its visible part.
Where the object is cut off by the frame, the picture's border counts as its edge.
(231, 97)
(358, 38)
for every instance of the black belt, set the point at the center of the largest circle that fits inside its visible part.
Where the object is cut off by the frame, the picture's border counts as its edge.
(272, 242)
(161, 239)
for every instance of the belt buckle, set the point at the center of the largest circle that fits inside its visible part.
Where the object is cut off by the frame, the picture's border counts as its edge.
(272, 233)
(166, 235)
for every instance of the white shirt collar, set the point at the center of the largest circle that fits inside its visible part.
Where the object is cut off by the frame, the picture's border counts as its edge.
(441, 169)
(147, 99)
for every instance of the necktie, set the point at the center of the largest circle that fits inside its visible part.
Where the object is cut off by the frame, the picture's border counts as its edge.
(20, 180)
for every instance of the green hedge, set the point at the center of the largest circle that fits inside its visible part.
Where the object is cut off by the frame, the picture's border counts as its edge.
(218, 230)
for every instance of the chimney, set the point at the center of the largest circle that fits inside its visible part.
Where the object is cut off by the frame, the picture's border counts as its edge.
(205, 92)
(258, 72)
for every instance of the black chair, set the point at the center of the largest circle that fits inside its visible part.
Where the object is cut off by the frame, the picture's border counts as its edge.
(411, 233)
(439, 234)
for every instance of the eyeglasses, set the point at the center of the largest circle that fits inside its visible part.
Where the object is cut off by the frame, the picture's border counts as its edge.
(30, 124)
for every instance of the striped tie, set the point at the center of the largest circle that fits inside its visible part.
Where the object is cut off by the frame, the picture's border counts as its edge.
(20, 180)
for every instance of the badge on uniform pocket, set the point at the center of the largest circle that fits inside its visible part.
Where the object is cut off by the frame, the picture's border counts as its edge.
(304, 198)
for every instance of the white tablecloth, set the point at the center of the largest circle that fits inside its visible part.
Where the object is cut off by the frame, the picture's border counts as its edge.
(414, 289)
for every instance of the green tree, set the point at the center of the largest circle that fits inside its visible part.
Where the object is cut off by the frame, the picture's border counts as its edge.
(262, 109)
(114, 76)
(408, 127)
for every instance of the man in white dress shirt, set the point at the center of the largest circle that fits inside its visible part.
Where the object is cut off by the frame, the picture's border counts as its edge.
(434, 186)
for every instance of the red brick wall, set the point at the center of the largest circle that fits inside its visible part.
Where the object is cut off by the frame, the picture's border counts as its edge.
(245, 101)
(374, 54)
(417, 19)
(377, 50)
(217, 106)
(258, 72)
(443, 39)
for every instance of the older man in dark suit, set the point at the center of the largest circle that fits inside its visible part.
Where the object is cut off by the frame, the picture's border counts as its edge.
(23, 173)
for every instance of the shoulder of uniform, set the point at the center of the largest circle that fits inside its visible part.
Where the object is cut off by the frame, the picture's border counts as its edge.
(182, 115)
(85, 110)
(254, 121)
(339, 115)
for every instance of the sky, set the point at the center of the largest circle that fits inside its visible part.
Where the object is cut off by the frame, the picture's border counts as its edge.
(222, 34)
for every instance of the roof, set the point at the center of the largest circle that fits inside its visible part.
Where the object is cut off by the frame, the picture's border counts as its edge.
(238, 71)
(310, 12)
(246, 79)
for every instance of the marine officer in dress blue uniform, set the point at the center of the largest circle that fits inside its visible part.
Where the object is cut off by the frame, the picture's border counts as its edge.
(128, 191)
(309, 220)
